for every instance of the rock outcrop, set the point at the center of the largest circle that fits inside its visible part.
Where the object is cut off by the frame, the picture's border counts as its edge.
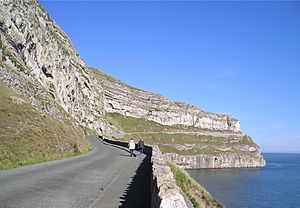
(39, 61)
(228, 151)
(226, 160)
(129, 101)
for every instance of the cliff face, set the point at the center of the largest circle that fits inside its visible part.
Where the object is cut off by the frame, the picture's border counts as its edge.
(38, 60)
(226, 160)
(198, 139)
(36, 50)
(129, 101)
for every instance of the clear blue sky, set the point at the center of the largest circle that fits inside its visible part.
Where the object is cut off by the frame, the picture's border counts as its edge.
(237, 58)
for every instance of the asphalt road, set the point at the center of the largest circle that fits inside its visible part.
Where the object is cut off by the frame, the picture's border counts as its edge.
(105, 177)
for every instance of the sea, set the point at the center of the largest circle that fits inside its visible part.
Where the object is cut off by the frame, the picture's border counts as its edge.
(277, 185)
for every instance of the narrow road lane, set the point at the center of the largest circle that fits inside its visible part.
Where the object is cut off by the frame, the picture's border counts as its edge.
(106, 177)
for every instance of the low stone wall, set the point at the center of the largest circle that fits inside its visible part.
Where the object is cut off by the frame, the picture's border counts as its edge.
(164, 191)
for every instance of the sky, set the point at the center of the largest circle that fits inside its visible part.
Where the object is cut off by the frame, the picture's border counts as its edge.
(240, 58)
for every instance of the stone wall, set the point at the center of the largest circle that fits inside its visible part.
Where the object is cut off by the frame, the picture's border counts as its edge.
(164, 191)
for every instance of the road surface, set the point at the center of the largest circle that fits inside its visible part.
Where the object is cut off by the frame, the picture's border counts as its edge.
(106, 177)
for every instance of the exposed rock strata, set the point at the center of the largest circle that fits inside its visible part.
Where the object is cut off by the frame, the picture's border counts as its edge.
(39, 61)
(36, 47)
(226, 160)
(227, 151)
(235, 151)
(129, 101)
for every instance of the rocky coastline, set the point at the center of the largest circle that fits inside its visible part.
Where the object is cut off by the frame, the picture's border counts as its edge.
(219, 161)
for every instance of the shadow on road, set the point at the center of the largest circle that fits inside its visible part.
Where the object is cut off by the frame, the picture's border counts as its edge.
(119, 147)
(128, 155)
(138, 192)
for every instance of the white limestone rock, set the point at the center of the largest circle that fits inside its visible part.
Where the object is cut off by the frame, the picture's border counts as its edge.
(129, 101)
(40, 51)
(225, 160)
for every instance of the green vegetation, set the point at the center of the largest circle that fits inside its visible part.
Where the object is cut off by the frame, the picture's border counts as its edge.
(191, 144)
(136, 125)
(174, 139)
(111, 78)
(1, 45)
(41, 7)
(60, 41)
(88, 131)
(7, 55)
(132, 125)
(27, 137)
(196, 193)
(65, 51)
(104, 75)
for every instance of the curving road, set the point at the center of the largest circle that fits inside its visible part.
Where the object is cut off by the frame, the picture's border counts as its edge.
(106, 177)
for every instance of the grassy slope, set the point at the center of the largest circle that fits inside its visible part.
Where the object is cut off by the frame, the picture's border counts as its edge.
(196, 193)
(27, 137)
(152, 133)
(103, 75)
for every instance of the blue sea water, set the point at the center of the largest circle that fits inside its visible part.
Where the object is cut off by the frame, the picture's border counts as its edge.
(277, 185)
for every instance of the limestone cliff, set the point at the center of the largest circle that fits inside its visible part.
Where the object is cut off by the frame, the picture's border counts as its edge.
(225, 160)
(38, 60)
(129, 101)
(197, 139)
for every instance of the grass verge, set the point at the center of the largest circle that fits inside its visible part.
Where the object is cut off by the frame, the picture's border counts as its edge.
(199, 197)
